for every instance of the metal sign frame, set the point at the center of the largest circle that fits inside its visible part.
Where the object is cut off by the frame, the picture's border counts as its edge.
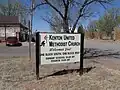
(38, 49)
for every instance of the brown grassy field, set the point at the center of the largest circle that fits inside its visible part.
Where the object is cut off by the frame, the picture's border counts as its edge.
(18, 73)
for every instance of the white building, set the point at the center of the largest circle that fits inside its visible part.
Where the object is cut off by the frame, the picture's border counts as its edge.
(10, 26)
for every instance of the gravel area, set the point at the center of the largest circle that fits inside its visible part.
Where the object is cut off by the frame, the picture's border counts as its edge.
(18, 73)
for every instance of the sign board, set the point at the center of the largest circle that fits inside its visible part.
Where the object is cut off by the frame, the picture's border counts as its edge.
(59, 48)
(52, 48)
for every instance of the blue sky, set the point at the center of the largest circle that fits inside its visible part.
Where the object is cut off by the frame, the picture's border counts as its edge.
(41, 25)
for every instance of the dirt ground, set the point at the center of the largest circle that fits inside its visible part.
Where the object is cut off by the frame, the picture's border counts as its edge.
(18, 73)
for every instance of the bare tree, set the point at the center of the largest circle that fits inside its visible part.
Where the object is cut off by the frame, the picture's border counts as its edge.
(54, 21)
(14, 9)
(71, 11)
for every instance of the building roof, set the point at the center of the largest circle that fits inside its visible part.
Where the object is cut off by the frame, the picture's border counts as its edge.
(10, 20)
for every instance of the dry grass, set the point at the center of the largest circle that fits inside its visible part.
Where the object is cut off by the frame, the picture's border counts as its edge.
(18, 73)
(13, 71)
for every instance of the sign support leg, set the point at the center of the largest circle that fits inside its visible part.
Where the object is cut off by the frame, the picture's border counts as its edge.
(81, 53)
(37, 54)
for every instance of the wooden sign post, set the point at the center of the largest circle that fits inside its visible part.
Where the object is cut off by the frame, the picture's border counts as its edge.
(37, 54)
(81, 53)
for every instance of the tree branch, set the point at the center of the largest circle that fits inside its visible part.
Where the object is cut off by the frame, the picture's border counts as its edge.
(64, 2)
(86, 3)
(38, 6)
(103, 6)
(66, 10)
(80, 15)
(49, 21)
(54, 8)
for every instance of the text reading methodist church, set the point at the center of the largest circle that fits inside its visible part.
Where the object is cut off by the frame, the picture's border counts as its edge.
(64, 38)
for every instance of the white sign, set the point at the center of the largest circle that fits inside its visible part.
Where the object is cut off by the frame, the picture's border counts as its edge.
(59, 48)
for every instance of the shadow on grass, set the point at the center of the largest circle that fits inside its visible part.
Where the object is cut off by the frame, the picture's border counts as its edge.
(88, 54)
(69, 71)
(93, 53)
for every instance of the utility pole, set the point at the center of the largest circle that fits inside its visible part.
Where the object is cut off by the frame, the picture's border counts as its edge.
(29, 40)
(32, 7)
(30, 27)
(8, 7)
